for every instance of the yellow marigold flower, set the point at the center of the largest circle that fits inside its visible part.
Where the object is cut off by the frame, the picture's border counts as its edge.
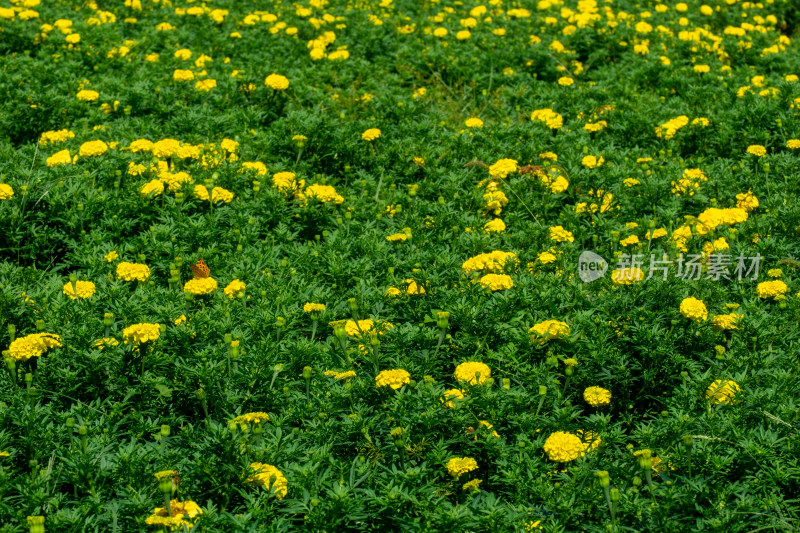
(50, 137)
(495, 201)
(111, 256)
(565, 81)
(248, 418)
(141, 145)
(488, 262)
(371, 134)
(628, 241)
(198, 286)
(277, 82)
(152, 188)
(775, 272)
(450, 395)
(93, 149)
(472, 486)
(694, 309)
(393, 378)
(722, 392)
(597, 396)
(463, 35)
(412, 287)
(322, 193)
(546, 258)
(87, 95)
(458, 466)
(269, 477)
(473, 122)
(397, 237)
(793, 144)
(85, 290)
(340, 376)
(591, 161)
(259, 168)
(4, 454)
(549, 330)
(725, 322)
(165, 148)
(184, 515)
(218, 194)
(141, 333)
(548, 156)
(33, 345)
(182, 75)
(552, 119)
(746, 201)
(132, 271)
(656, 234)
(286, 182)
(59, 158)
(234, 289)
(467, 372)
(757, 150)
(563, 447)
(313, 308)
(496, 282)
(772, 289)
(6, 191)
(503, 168)
(559, 234)
(495, 226)
(594, 127)
(105, 342)
(205, 85)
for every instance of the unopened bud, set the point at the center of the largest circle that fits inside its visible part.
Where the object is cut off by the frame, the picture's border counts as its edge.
(542, 390)
(165, 430)
(307, 370)
(443, 319)
(605, 480)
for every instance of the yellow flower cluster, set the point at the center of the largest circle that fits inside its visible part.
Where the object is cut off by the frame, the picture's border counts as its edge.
(495, 201)
(50, 137)
(563, 447)
(746, 201)
(713, 217)
(392, 378)
(591, 161)
(132, 271)
(725, 322)
(549, 117)
(313, 308)
(488, 262)
(757, 150)
(559, 234)
(340, 376)
(33, 345)
(694, 309)
(549, 330)
(250, 418)
(287, 183)
(689, 183)
(6, 191)
(458, 466)
(775, 289)
(277, 82)
(450, 395)
(85, 289)
(184, 515)
(234, 289)
(321, 193)
(627, 276)
(668, 129)
(597, 396)
(503, 168)
(722, 392)
(495, 225)
(496, 282)
(198, 286)
(141, 333)
(93, 149)
(217, 193)
(472, 372)
(269, 477)
(371, 134)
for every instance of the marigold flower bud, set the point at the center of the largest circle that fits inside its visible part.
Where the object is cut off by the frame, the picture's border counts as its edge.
(542, 390)
(307, 370)
(605, 480)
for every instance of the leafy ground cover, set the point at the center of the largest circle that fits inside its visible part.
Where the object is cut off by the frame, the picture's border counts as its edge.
(272, 266)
